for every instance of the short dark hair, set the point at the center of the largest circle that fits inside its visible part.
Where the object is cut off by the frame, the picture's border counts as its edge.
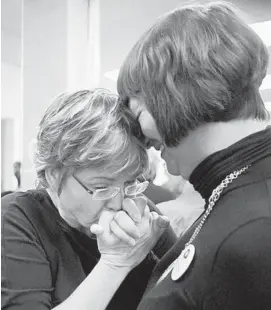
(197, 64)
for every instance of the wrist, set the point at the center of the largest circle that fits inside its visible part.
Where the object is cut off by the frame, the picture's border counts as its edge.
(115, 269)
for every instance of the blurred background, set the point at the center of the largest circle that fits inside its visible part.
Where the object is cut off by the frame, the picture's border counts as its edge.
(51, 46)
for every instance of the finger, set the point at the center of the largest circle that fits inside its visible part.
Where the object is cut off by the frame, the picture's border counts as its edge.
(106, 217)
(159, 221)
(141, 203)
(127, 224)
(129, 206)
(163, 221)
(120, 234)
(147, 212)
(96, 229)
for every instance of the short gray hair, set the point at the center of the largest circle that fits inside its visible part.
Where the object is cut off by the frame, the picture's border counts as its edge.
(86, 129)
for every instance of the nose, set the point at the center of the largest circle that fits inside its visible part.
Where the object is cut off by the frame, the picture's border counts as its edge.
(115, 203)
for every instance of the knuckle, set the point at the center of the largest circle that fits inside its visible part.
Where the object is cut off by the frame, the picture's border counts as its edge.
(119, 215)
(112, 225)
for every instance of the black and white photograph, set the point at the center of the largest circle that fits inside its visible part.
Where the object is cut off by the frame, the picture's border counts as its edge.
(135, 155)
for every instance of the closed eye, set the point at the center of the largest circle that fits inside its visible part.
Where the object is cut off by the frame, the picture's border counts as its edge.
(100, 187)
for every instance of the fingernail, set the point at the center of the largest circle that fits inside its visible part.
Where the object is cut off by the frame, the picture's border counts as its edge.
(96, 229)
(164, 222)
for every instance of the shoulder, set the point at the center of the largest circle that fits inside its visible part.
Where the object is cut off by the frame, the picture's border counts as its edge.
(248, 243)
(241, 273)
(16, 206)
(24, 200)
(26, 210)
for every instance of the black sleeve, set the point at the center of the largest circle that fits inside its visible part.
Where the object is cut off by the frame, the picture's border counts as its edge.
(242, 270)
(167, 239)
(26, 274)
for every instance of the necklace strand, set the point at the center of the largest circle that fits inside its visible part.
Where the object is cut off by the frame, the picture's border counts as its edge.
(214, 198)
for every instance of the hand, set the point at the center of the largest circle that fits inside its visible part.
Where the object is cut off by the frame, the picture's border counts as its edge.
(127, 236)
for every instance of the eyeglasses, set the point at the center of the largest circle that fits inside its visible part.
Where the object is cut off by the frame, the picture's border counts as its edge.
(109, 192)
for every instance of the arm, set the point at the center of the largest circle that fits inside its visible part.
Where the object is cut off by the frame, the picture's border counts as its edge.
(167, 239)
(96, 291)
(241, 277)
(26, 274)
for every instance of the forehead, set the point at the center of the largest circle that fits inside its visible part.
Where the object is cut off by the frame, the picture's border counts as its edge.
(109, 174)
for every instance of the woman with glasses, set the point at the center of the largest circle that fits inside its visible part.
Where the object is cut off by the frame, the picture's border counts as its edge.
(72, 242)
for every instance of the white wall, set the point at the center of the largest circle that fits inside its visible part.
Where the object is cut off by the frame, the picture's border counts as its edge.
(122, 22)
(11, 90)
(45, 51)
(55, 59)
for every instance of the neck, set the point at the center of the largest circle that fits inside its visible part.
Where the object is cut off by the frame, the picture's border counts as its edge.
(211, 138)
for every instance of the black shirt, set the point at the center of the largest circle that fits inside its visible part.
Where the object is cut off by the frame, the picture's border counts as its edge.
(231, 269)
(44, 259)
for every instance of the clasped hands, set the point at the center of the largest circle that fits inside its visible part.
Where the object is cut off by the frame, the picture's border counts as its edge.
(125, 237)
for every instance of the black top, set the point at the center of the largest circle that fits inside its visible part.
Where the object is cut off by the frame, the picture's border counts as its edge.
(231, 269)
(44, 259)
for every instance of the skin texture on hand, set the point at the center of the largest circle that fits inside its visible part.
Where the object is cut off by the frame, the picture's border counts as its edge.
(126, 237)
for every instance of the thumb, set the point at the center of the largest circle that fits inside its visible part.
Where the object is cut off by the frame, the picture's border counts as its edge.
(96, 229)
(103, 226)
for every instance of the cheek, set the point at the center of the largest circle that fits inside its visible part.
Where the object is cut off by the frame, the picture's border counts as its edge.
(94, 208)
(148, 127)
(79, 203)
(88, 211)
(172, 165)
(89, 208)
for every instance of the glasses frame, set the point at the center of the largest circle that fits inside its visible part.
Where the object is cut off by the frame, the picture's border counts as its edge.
(117, 188)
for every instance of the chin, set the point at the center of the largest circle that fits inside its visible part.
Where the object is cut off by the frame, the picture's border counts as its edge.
(178, 172)
(186, 174)
(173, 171)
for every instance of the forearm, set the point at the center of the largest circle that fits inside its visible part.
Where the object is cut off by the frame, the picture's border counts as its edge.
(167, 239)
(96, 291)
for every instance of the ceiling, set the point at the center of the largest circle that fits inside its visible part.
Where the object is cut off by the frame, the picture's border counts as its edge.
(121, 24)
(259, 10)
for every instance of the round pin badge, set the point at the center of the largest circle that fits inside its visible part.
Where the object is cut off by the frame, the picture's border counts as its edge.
(183, 262)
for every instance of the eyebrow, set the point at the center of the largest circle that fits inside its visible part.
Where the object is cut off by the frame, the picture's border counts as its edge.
(100, 179)
(95, 179)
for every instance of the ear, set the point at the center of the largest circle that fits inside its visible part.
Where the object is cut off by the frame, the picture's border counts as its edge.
(52, 177)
